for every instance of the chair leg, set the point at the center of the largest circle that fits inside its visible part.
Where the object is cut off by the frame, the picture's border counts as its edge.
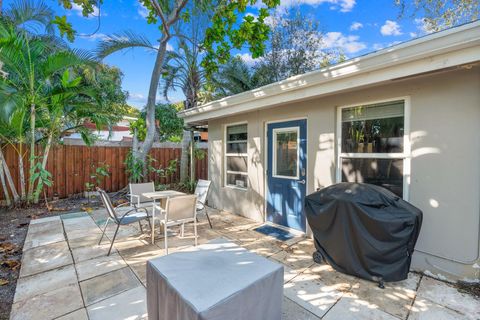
(166, 239)
(195, 231)
(104, 229)
(140, 224)
(113, 240)
(149, 223)
(209, 222)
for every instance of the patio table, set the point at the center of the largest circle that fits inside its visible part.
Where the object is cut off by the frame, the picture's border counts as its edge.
(214, 281)
(160, 195)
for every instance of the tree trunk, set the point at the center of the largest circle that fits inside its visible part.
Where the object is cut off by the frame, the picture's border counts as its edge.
(32, 153)
(44, 166)
(184, 156)
(21, 172)
(192, 156)
(4, 184)
(144, 147)
(7, 173)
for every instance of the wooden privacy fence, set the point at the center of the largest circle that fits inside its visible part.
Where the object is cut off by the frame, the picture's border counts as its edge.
(72, 166)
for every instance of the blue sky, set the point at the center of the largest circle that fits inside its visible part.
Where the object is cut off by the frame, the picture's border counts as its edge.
(355, 26)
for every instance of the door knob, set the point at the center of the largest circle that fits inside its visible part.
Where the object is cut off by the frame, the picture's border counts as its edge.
(301, 181)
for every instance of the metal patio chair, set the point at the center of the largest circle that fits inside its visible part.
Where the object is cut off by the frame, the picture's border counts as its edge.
(178, 211)
(201, 191)
(131, 216)
(136, 191)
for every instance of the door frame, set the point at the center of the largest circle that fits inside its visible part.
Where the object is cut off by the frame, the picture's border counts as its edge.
(265, 176)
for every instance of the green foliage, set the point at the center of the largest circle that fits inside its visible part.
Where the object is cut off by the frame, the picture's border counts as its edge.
(41, 176)
(97, 176)
(170, 126)
(188, 186)
(65, 27)
(232, 78)
(294, 47)
(50, 89)
(134, 168)
(228, 31)
(139, 128)
(162, 172)
(199, 153)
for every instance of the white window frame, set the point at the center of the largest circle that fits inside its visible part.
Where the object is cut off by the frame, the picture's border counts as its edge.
(405, 155)
(274, 155)
(226, 155)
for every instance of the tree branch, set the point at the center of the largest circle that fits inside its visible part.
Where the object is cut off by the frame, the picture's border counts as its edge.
(159, 11)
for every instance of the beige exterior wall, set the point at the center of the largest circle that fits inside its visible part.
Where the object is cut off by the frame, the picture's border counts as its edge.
(445, 161)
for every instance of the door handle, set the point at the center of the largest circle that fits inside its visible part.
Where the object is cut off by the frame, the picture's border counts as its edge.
(301, 181)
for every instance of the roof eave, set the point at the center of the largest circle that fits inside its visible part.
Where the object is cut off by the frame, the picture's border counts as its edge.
(441, 50)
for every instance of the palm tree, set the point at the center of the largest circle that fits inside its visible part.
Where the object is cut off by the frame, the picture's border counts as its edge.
(21, 18)
(32, 63)
(232, 78)
(182, 71)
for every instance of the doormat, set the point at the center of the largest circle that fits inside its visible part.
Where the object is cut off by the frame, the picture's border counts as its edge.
(275, 232)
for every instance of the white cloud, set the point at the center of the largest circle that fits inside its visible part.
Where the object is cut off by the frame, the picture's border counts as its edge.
(391, 28)
(142, 11)
(377, 46)
(342, 5)
(247, 58)
(413, 34)
(356, 26)
(137, 99)
(348, 43)
(95, 36)
(423, 26)
(78, 10)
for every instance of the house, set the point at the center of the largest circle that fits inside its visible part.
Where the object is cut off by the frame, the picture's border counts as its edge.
(119, 132)
(406, 117)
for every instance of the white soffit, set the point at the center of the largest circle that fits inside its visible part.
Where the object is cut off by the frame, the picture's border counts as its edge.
(449, 48)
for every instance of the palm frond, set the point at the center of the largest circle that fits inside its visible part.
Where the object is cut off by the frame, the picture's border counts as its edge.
(122, 41)
(36, 14)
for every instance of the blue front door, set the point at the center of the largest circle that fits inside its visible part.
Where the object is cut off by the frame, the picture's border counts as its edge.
(286, 168)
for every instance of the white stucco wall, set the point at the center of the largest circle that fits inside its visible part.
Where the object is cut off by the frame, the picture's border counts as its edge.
(445, 162)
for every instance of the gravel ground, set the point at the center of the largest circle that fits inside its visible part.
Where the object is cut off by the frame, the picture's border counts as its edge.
(13, 229)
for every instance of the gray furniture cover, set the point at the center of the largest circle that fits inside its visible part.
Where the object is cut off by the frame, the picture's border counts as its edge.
(218, 280)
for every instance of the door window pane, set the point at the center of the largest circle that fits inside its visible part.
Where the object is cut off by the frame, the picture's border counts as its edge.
(238, 180)
(286, 153)
(374, 128)
(387, 173)
(235, 163)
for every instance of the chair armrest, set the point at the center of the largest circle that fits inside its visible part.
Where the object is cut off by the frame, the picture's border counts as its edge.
(133, 210)
(122, 204)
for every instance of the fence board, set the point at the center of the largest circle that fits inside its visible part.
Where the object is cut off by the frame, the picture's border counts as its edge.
(71, 167)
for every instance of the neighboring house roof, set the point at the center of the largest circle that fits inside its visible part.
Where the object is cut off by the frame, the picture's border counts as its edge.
(459, 46)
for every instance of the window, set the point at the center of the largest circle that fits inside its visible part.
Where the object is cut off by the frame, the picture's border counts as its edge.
(236, 158)
(372, 146)
(286, 155)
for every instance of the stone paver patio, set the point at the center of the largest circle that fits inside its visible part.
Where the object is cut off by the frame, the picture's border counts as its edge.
(66, 275)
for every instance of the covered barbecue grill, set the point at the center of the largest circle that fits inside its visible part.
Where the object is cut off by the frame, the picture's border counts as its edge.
(363, 230)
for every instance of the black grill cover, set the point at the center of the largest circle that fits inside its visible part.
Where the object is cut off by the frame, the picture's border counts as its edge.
(364, 230)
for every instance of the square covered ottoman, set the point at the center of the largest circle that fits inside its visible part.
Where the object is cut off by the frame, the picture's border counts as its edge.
(218, 280)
